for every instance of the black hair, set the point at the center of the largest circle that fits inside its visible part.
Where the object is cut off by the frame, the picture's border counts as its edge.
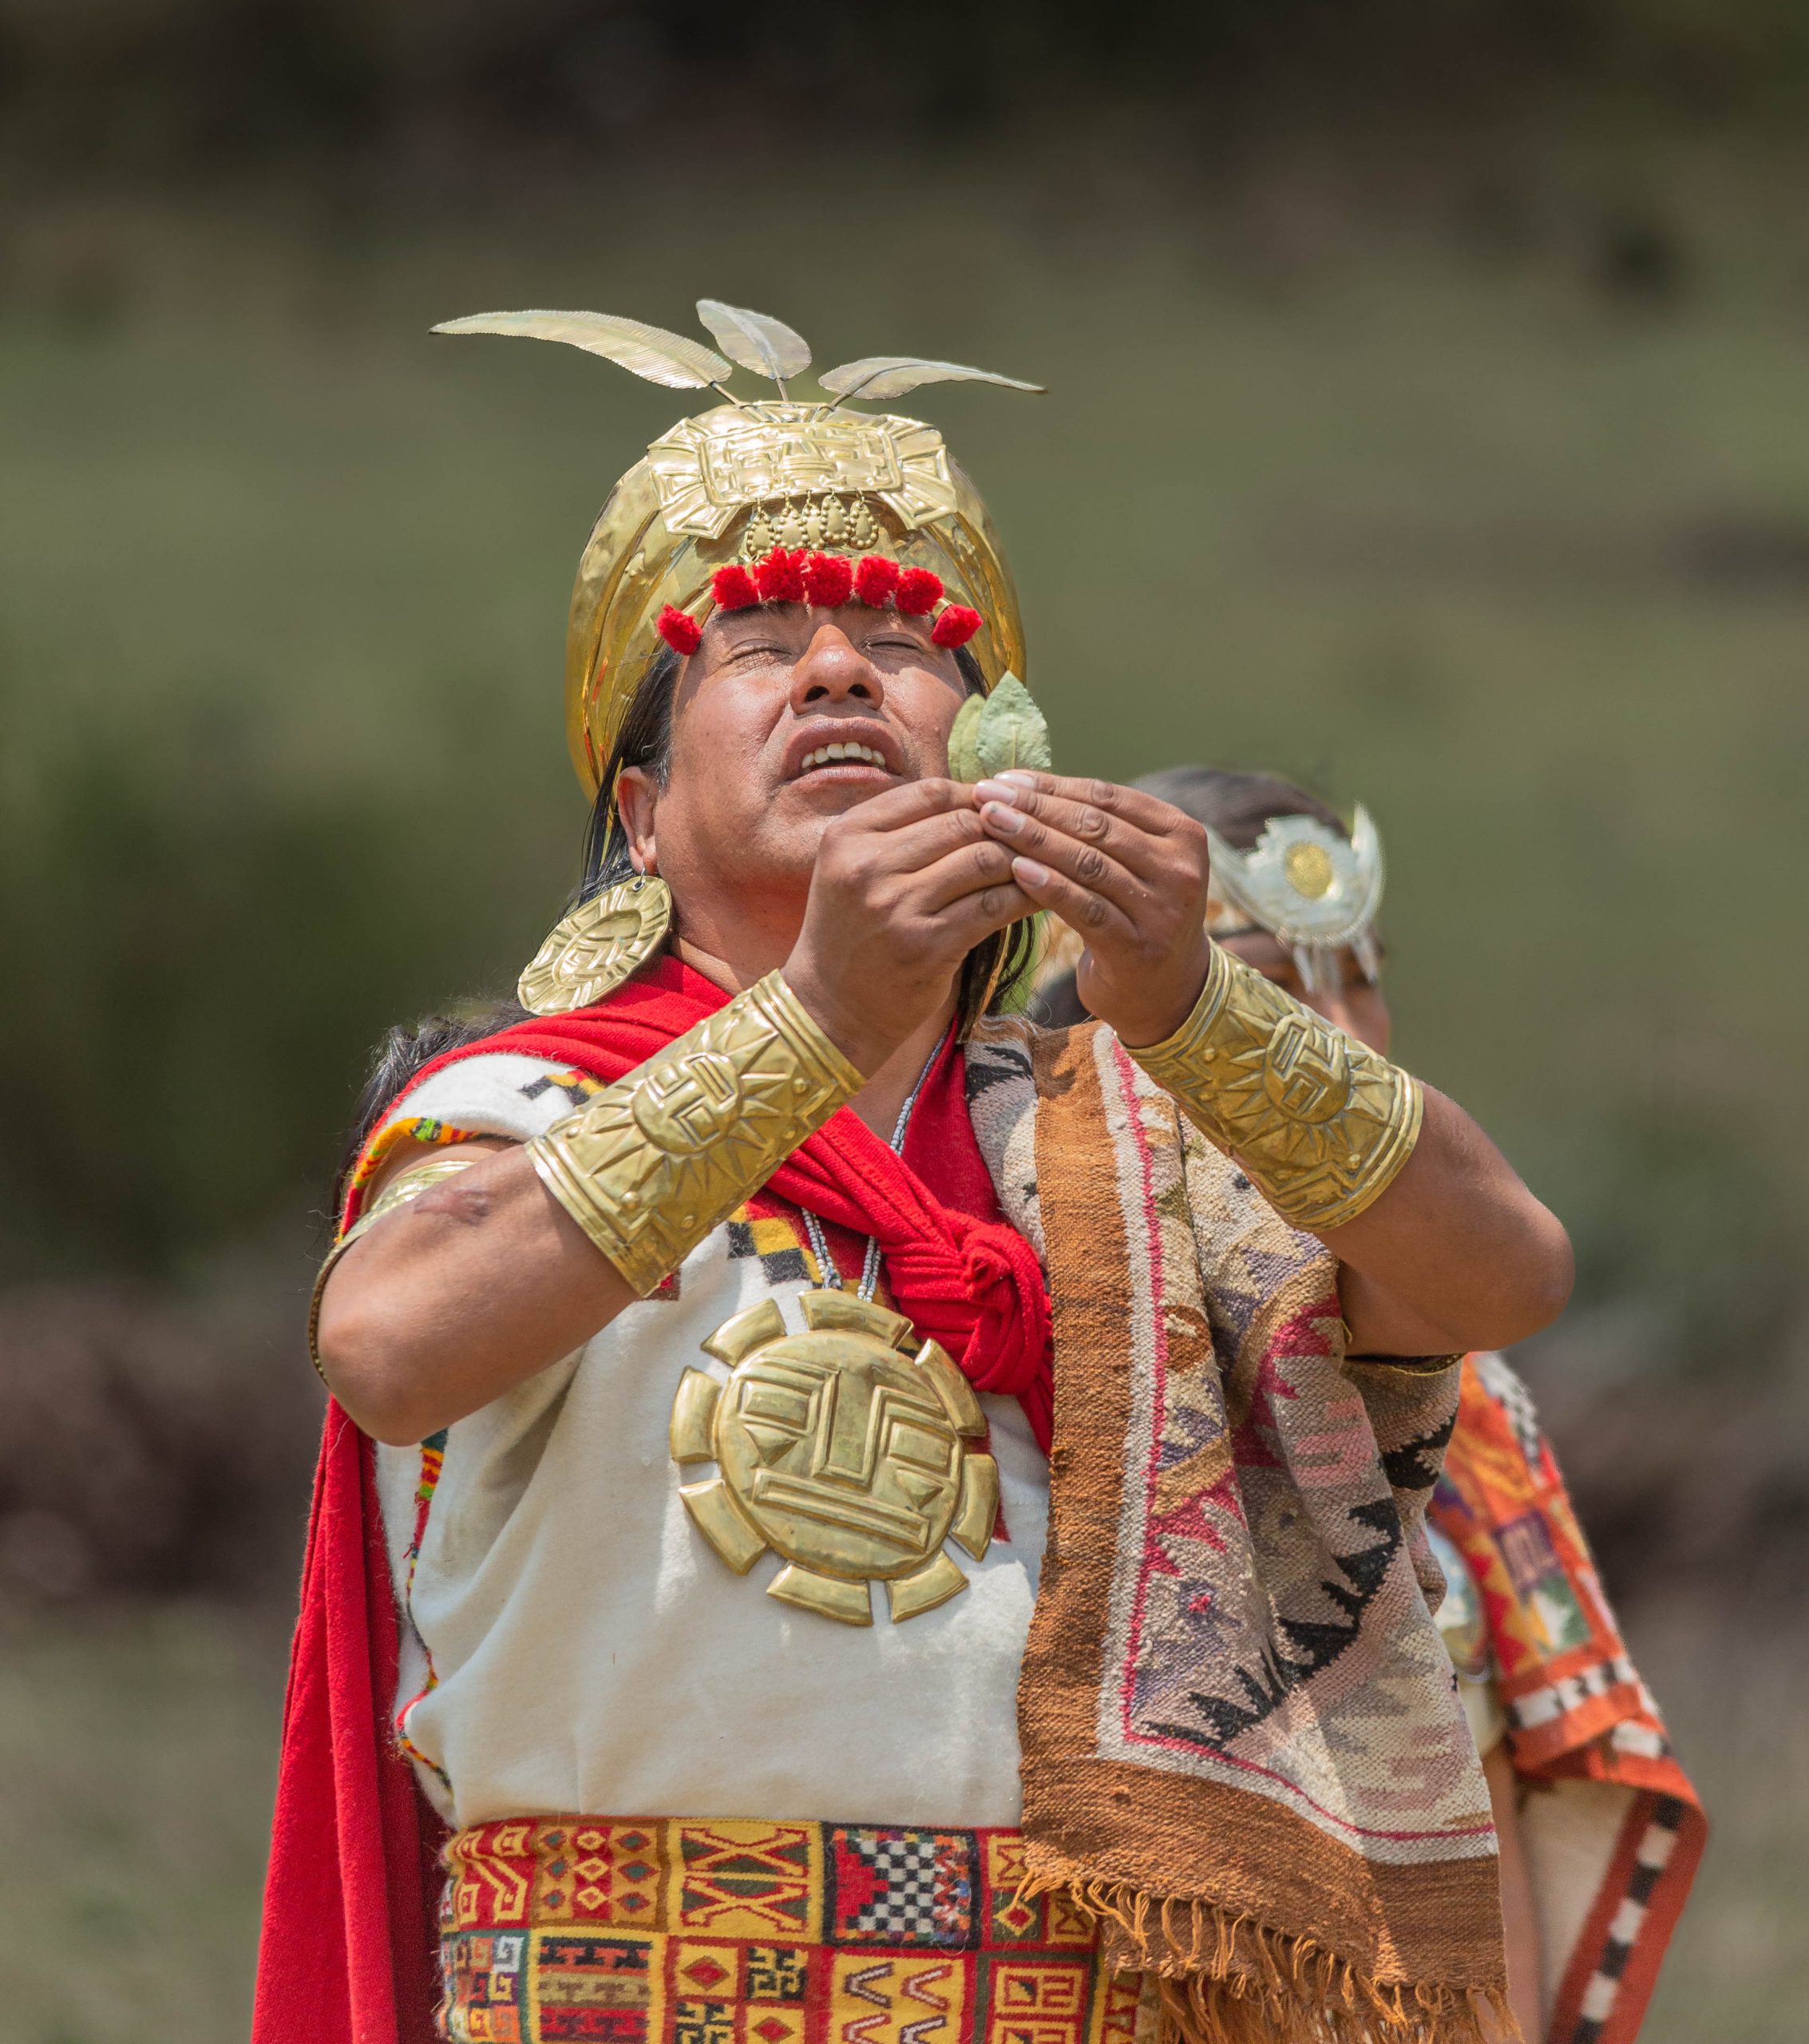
(1238, 807)
(990, 973)
(645, 741)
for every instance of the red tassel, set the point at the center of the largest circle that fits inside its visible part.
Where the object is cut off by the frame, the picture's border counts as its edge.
(733, 588)
(919, 591)
(875, 579)
(682, 633)
(829, 581)
(956, 626)
(780, 576)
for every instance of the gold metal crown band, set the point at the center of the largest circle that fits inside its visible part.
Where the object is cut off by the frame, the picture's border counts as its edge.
(823, 524)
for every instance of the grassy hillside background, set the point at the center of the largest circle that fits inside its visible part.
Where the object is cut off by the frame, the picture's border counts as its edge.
(1522, 565)
(1481, 499)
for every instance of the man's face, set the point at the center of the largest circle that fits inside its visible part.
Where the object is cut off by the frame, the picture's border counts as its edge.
(759, 705)
(1353, 1005)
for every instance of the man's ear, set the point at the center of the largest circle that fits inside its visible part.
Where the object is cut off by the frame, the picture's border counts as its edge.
(637, 797)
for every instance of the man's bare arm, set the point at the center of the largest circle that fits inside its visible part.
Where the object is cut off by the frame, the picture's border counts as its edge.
(448, 1302)
(1457, 1253)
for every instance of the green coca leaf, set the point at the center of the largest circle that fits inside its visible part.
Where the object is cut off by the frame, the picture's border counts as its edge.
(1012, 731)
(964, 748)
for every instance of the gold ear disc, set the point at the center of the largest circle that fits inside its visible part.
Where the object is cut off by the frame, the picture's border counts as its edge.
(601, 945)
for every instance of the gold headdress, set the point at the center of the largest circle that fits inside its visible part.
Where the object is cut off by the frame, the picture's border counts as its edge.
(1308, 885)
(722, 490)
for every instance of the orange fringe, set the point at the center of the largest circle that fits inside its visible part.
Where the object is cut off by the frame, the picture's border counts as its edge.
(1225, 1978)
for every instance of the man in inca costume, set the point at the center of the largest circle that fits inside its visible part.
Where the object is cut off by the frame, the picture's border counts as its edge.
(845, 1515)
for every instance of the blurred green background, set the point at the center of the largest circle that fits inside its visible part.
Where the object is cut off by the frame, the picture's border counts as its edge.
(1426, 421)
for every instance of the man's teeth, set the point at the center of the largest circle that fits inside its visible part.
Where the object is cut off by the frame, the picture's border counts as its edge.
(826, 755)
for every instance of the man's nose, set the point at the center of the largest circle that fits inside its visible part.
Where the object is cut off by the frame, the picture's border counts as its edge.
(832, 669)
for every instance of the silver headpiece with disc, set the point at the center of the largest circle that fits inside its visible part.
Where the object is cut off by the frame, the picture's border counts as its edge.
(1312, 888)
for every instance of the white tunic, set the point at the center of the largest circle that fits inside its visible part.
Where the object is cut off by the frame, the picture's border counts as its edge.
(572, 1643)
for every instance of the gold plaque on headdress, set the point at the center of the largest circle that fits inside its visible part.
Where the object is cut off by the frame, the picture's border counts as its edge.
(602, 943)
(843, 1452)
(708, 468)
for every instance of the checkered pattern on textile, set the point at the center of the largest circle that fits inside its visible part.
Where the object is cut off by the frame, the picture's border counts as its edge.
(906, 1888)
(775, 1240)
(772, 1230)
(626, 1931)
(1653, 1842)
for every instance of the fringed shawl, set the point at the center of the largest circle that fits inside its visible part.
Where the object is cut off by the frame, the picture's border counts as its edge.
(1242, 1749)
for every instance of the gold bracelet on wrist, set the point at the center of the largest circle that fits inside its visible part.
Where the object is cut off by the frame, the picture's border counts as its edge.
(403, 1187)
(658, 1160)
(1321, 1122)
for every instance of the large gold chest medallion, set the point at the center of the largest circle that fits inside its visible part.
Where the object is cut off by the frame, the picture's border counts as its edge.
(844, 1452)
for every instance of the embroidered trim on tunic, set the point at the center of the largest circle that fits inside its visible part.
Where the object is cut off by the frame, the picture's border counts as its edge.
(664, 1931)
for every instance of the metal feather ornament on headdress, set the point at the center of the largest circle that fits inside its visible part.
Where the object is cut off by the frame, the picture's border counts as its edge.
(1310, 887)
(767, 500)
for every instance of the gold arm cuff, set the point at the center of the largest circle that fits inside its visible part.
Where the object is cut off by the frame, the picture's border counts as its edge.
(403, 1187)
(1321, 1123)
(654, 1162)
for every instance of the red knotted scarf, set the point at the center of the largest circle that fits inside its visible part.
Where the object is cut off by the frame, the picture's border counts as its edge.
(955, 1267)
(348, 1948)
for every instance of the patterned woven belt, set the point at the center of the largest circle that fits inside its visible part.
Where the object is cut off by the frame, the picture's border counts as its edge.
(684, 1932)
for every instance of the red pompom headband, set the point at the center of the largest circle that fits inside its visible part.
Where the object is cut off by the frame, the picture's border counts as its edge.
(825, 581)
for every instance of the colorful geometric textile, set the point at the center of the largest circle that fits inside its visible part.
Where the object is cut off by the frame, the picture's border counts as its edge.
(1240, 1744)
(1612, 1826)
(427, 1130)
(663, 1932)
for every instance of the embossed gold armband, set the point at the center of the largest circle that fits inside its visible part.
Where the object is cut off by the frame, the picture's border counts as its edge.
(1321, 1123)
(664, 1156)
(403, 1187)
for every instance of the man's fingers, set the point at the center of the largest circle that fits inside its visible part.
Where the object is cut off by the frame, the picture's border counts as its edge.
(976, 916)
(1088, 915)
(1088, 862)
(915, 839)
(1155, 859)
(984, 863)
(1135, 807)
(912, 846)
(897, 808)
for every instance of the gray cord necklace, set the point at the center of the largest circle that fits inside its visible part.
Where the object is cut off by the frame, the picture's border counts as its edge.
(832, 1278)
